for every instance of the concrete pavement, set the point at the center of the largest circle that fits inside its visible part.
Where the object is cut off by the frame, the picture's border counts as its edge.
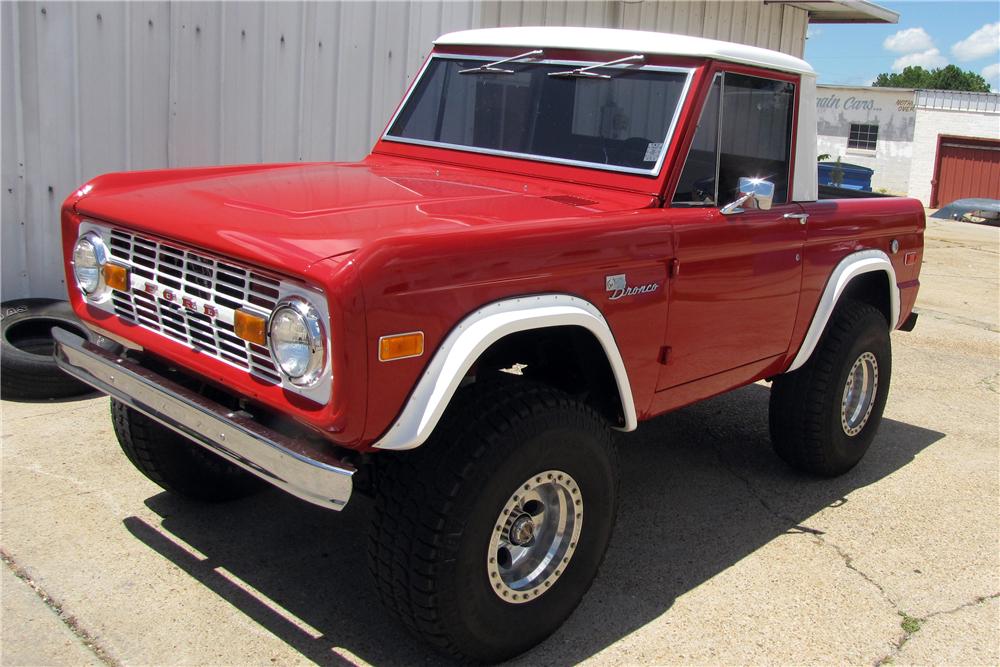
(721, 554)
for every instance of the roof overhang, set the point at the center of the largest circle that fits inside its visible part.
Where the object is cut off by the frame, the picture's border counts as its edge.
(625, 41)
(842, 11)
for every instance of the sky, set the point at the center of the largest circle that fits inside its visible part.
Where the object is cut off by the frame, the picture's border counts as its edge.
(929, 33)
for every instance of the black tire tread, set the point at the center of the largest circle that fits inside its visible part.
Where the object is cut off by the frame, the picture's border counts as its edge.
(796, 411)
(416, 492)
(27, 375)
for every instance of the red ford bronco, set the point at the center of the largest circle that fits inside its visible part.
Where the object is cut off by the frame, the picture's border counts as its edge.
(561, 233)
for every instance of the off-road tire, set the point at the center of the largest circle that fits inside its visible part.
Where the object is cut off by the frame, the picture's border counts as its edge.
(805, 407)
(177, 464)
(27, 369)
(436, 508)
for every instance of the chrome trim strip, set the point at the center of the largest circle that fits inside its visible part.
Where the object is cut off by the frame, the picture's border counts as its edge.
(473, 335)
(309, 473)
(865, 261)
(655, 171)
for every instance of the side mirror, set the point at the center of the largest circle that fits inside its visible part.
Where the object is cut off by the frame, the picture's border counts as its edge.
(755, 193)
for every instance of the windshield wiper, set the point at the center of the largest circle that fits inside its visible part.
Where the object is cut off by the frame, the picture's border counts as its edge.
(491, 68)
(586, 73)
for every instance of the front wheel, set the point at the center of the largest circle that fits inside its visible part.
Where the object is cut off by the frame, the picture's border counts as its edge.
(487, 537)
(824, 415)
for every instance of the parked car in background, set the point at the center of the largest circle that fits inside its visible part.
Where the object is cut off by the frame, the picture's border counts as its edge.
(978, 210)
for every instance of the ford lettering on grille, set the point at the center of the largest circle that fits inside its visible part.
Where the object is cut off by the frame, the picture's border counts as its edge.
(190, 297)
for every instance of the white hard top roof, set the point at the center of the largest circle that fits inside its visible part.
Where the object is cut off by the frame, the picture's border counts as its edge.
(626, 41)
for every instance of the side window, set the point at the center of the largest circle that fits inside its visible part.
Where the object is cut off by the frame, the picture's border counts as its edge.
(755, 115)
(696, 186)
(756, 134)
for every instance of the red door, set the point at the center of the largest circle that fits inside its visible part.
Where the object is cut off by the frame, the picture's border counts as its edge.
(736, 292)
(966, 168)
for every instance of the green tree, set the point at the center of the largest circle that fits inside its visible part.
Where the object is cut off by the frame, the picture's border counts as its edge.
(949, 77)
(953, 78)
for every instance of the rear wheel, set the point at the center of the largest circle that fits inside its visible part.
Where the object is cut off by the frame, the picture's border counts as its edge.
(824, 415)
(177, 464)
(487, 537)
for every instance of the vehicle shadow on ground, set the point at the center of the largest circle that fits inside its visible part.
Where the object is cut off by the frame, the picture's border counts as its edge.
(700, 488)
(65, 399)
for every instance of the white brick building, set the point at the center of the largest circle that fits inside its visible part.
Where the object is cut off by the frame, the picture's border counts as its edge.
(843, 110)
(930, 144)
(944, 118)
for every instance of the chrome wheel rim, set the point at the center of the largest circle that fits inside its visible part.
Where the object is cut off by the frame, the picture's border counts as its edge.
(859, 394)
(535, 536)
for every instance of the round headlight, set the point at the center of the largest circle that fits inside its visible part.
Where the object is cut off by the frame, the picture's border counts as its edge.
(297, 341)
(89, 256)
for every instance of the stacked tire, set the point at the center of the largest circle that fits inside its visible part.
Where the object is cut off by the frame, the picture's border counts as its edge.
(28, 370)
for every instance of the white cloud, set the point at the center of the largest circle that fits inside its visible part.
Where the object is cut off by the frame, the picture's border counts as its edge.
(992, 75)
(910, 40)
(979, 44)
(812, 32)
(928, 59)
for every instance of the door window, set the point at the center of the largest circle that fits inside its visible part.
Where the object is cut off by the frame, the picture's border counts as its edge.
(745, 130)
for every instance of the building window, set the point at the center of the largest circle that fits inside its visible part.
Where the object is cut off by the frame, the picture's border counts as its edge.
(863, 136)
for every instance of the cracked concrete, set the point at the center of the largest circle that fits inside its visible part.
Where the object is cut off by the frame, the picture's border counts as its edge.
(54, 637)
(952, 637)
(721, 554)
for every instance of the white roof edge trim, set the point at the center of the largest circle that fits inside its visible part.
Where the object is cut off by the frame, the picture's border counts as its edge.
(626, 41)
(805, 185)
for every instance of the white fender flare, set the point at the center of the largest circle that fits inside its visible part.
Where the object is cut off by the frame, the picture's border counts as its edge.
(865, 261)
(473, 335)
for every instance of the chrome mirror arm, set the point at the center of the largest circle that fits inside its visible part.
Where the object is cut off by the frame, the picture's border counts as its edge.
(758, 192)
(736, 206)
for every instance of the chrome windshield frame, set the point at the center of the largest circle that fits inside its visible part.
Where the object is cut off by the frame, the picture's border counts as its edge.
(653, 172)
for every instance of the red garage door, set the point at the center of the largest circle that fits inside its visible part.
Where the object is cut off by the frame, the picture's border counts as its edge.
(966, 168)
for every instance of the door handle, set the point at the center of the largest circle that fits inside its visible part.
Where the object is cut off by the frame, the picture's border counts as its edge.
(801, 217)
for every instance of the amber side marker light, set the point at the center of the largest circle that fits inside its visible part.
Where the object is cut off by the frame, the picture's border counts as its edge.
(401, 346)
(250, 327)
(116, 277)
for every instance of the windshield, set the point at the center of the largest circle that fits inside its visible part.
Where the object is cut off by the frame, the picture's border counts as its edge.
(620, 123)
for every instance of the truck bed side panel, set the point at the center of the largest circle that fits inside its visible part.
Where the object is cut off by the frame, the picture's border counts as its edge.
(839, 227)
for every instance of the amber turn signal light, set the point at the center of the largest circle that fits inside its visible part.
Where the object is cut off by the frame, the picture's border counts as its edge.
(401, 346)
(116, 277)
(250, 327)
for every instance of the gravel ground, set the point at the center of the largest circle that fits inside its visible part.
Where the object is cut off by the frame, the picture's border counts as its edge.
(721, 554)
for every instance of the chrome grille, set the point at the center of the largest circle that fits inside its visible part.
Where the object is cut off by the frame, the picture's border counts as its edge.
(169, 269)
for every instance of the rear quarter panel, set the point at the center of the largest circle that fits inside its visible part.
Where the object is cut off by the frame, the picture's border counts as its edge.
(838, 227)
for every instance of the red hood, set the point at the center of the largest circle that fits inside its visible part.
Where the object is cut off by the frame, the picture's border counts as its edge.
(291, 216)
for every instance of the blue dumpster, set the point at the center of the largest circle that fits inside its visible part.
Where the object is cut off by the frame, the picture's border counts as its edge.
(855, 177)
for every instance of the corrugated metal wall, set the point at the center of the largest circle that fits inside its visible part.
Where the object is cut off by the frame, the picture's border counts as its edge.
(93, 87)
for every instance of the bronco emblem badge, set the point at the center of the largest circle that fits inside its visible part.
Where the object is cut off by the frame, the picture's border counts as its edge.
(618, 286)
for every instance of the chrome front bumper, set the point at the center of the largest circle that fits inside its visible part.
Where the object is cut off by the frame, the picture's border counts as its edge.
(303, 471)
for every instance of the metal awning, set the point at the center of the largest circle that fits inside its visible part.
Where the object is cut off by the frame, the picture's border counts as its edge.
(842, 11)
